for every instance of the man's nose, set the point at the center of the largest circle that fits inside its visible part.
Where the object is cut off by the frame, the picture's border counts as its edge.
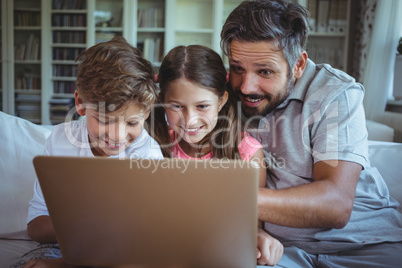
(248, 84)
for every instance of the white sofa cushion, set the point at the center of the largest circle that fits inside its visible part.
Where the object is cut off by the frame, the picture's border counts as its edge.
(379, 132)
(22, 141)
(386, 157)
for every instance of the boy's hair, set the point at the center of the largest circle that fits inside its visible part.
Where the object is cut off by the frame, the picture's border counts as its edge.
(204, 67)
(113, 74)
(274, 20)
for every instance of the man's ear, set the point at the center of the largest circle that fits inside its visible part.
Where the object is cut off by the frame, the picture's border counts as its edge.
(79, 104)
(223, 100)
(301, 63)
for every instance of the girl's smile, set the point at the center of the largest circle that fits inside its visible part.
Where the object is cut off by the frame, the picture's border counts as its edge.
(191, 110)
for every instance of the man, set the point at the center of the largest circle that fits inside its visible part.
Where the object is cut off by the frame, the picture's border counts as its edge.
(323, 201)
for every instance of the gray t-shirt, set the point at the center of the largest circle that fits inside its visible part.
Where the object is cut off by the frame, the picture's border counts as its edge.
(323, 119)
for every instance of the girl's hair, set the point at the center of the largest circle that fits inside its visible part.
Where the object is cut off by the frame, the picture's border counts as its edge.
(275, 20)
(113, 74)
(204, 67)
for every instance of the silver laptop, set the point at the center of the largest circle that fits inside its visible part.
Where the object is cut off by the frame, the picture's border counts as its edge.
(152, 213)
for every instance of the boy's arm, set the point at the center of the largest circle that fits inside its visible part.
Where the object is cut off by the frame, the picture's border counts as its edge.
(39, 225)
(41, 230)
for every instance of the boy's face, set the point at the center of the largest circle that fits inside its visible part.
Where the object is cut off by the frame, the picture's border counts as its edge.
(111, 133)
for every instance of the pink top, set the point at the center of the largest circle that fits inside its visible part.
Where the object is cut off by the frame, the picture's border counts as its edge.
(247, 148)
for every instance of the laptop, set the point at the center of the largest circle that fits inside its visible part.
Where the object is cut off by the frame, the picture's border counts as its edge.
(152, 213)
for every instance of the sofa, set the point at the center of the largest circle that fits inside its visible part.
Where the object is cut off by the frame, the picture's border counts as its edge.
(23, 140)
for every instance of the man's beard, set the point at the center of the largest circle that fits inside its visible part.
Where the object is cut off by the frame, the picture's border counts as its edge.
(273, 101)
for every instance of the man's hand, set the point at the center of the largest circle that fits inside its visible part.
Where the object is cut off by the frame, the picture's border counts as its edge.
(269, 250)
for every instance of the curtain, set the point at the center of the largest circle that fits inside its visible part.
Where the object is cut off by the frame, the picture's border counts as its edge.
(378, 74)
(361, 27)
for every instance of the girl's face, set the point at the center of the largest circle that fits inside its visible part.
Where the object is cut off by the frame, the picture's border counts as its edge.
(191, 110)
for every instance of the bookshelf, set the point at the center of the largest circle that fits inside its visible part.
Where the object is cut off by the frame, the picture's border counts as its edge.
(69, 37)
(154, 26)
(150, 32)
(329, 31)
(25, 16)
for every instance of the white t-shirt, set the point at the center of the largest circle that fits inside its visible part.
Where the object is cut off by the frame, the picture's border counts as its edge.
(71, 139)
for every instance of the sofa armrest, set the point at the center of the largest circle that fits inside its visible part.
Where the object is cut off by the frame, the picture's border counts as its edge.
(22, 140)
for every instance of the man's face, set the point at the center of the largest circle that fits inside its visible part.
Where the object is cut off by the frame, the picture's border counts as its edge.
(259, 76)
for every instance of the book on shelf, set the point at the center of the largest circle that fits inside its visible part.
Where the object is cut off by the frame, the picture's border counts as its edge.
(149, 47)
(30, 115)
(28, 98)
(152, 49)
(60, 70)
(69, 4)
(66, 53)
(29, 50)
(68, 20)
(29, 107)
(68, 37)
(35, 49)
(64, 87)
(19, 51)
(60, 108)
(62, 101)
(27, 80)
(27, 18)
(150, 17)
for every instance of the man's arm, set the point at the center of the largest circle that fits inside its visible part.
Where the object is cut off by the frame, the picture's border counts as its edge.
(41, 230)
(326, 202)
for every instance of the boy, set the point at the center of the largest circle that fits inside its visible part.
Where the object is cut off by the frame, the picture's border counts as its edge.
(115, 91)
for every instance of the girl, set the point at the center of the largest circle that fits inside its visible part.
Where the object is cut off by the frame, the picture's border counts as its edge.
(197, 117)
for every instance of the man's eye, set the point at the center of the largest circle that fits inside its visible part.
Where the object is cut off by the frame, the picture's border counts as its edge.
(236, 68)
(265, 72)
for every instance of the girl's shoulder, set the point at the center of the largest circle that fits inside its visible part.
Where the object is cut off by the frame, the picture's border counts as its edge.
(248, 146)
